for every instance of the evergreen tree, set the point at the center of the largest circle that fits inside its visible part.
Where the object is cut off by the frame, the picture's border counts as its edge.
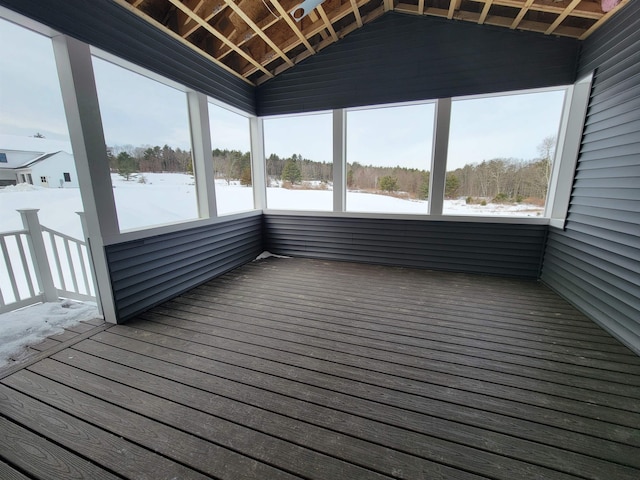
(452, 184)
(388, 183)
(291, 171)
(126, 165)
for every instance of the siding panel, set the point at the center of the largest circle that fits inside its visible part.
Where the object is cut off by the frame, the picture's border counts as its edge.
(108, 26)
(147, 272)
(595, 261)
(401, 57)
(497, 249)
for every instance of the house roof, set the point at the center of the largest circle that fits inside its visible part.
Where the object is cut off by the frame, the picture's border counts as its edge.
(23, 152)
(257, 39)
(16, 162)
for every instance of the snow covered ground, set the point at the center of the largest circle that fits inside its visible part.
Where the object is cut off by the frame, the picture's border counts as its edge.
(170, 197)
(31, 325)
(167, 198)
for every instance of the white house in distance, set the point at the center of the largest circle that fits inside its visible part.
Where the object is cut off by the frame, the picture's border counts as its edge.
(37, 161)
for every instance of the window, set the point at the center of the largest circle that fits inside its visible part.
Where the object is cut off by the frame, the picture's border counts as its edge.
(299, 162)
(32, 119)
(389, 158)
(146, 129)
(500, 155)
(3, 158)
(67, 176)
(231, 144)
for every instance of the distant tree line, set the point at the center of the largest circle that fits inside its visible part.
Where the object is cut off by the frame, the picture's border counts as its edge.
(498, 179)
(149, 159)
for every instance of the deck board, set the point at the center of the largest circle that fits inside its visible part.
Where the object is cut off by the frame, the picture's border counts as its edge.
(294, 368)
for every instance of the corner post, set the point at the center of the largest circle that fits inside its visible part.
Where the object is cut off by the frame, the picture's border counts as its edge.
(36, 243)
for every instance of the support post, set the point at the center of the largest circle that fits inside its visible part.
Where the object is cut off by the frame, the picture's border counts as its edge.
(202, 162)
(39, 254)
(80, 98)
(258, 163)
(439, 156)
(85, 235)
(339, 161)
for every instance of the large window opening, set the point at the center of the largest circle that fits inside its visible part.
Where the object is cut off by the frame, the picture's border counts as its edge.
(147, 135)
(231, 145)
(500, 154)
(33, 126)
(389, 158)
(299, 165)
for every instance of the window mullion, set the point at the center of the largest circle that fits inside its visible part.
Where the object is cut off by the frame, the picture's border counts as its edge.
(339, 161)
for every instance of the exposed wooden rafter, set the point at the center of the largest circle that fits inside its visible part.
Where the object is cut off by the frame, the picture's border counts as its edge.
(258, 31)
(356, 12)
(523, 11)
(604, 18)
(255, 44)
(219, 35)
(294, 27)
(485, 11)
(327, 23)
(453, 6)
(562, 16)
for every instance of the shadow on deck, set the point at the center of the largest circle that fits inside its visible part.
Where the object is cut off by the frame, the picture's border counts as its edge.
(320, 370)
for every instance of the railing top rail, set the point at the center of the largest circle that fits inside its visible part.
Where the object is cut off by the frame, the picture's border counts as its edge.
(14, 232)
(59, 234)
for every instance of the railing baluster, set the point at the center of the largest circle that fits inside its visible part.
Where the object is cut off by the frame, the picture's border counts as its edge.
(83, 267)
(67, 250)
(56, 259)
(25, 267)
(7, 261)
(39, 250)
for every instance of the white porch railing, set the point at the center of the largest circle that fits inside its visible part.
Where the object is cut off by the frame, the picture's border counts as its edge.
(39, 264)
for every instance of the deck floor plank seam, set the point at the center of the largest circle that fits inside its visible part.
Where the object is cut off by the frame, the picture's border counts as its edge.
(478, 322)
(368, 357)
(239, 325)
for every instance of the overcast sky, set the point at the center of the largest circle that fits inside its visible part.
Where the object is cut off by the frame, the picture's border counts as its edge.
(139, 112)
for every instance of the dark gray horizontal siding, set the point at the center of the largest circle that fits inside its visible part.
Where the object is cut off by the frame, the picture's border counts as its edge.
(491, 248)
(403, 57)
(110, 27)
(147, 272)
(595, 262)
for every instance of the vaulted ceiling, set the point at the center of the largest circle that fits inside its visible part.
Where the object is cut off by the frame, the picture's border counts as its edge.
(258, 39)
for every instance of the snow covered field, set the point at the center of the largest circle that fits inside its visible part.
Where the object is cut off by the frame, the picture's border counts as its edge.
(168, 198)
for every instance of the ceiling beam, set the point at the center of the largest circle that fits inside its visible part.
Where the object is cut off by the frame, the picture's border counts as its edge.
(356, 12)
(259, 31)
(310, 31)
(604, 18)
(287, 18)
(195, 25)
(562, 16)
(521, 14)
(485, 11)
(327, 23)
(177, 37)
(590, 10)
(453, 6)
(219, 36)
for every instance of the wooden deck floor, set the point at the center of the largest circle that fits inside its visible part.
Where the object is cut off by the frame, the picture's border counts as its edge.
(293, 368)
